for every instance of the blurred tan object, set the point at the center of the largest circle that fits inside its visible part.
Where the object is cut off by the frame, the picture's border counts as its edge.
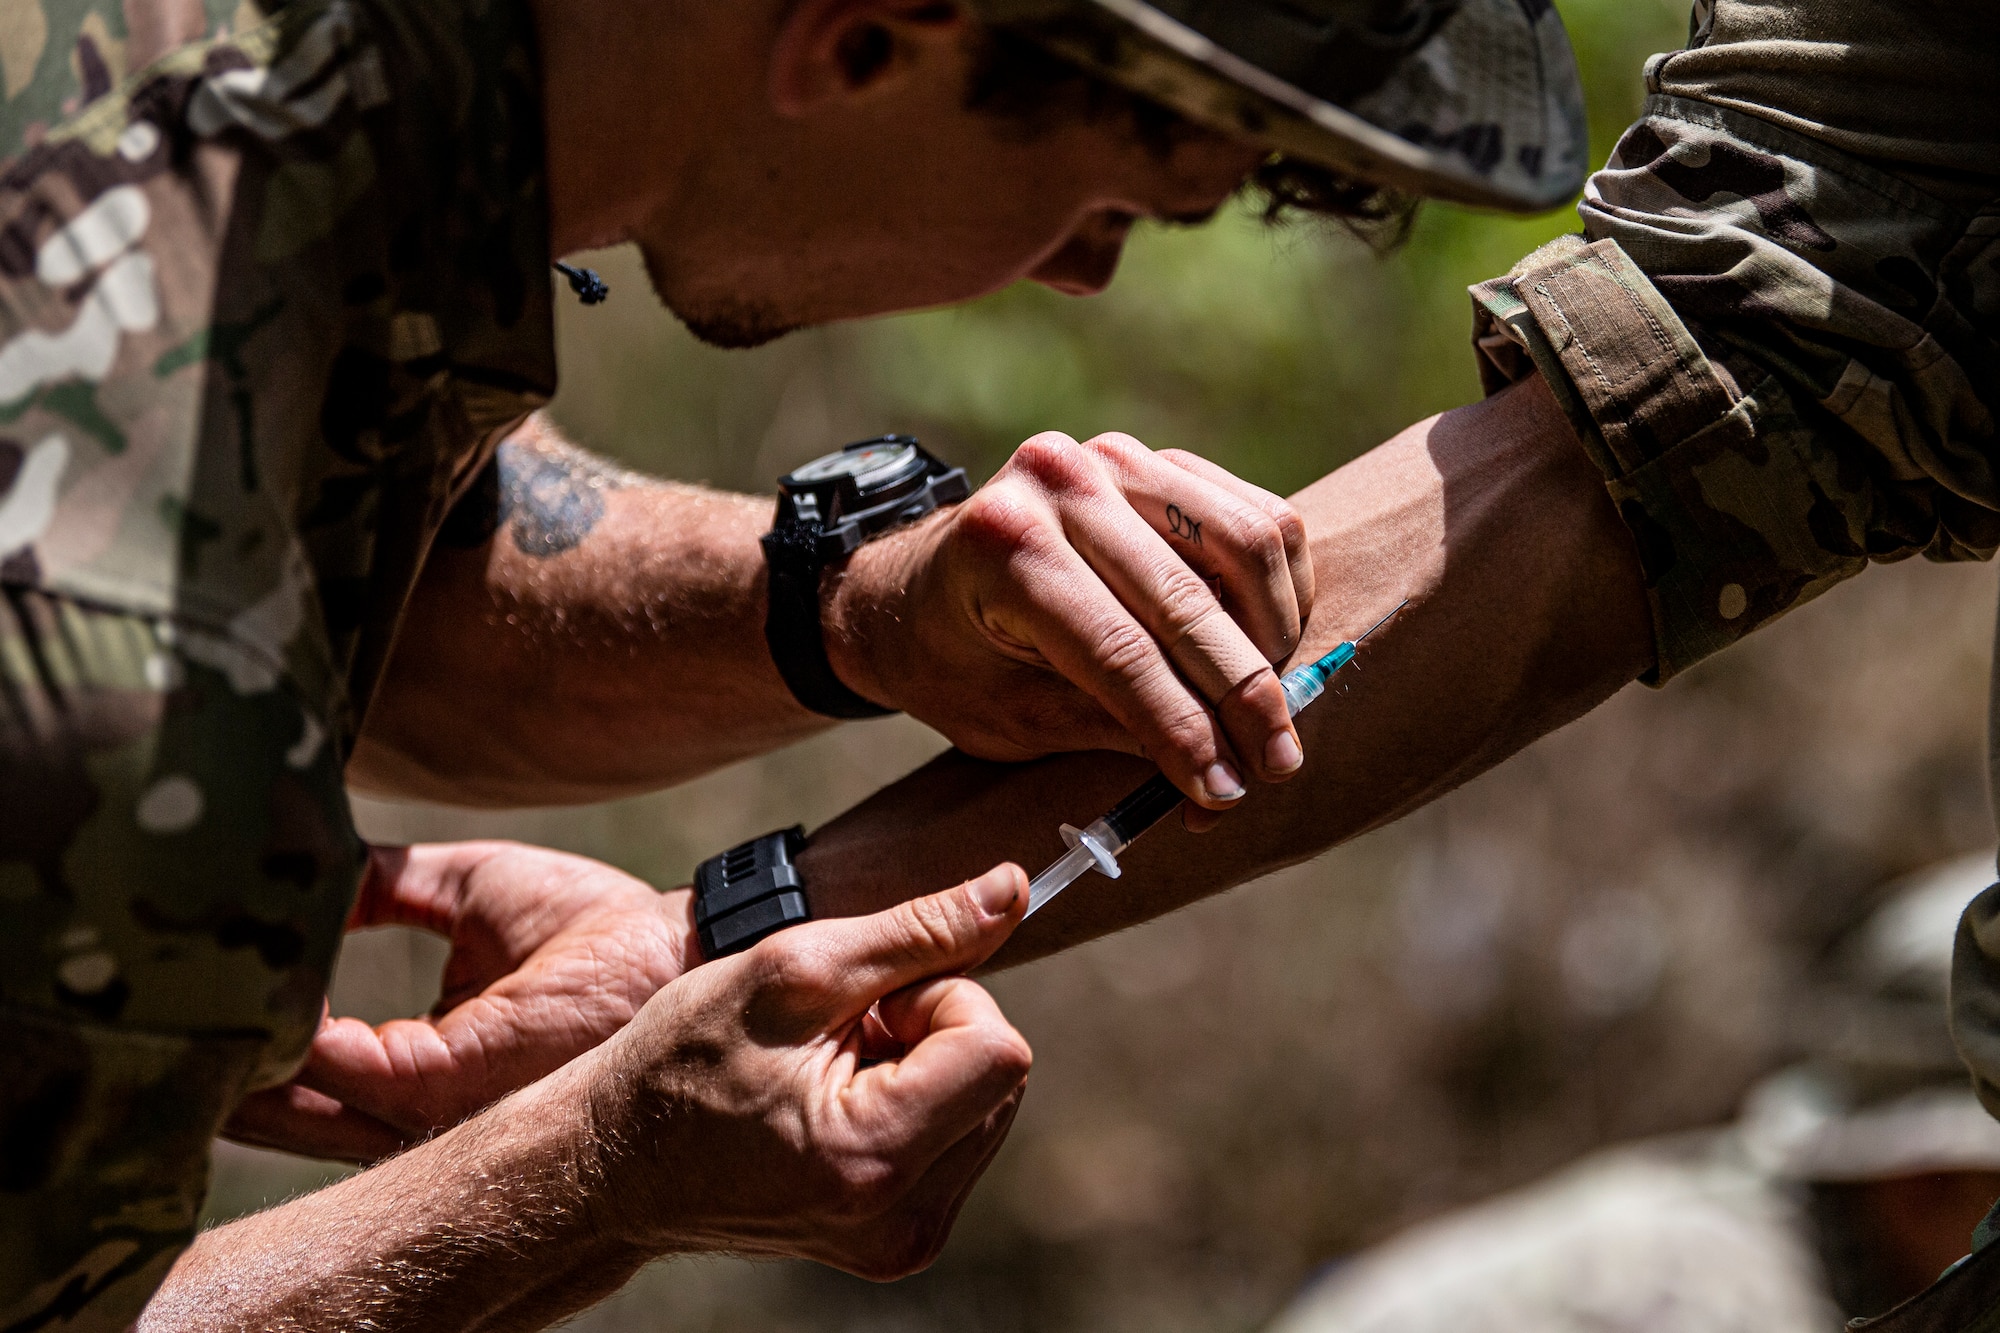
(1848, 1182)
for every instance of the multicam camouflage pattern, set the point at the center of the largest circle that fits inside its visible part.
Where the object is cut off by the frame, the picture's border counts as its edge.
(1471, 100)
(54, 59)
(1779, 337)
(173, 891)
(1780, 332)
(270, 290)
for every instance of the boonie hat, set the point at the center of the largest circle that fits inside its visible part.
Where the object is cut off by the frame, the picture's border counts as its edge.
(1474, 101)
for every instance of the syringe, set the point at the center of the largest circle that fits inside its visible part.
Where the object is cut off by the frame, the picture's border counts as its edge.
(1100, 845)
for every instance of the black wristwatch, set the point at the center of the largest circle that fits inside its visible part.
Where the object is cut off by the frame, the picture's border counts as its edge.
(748, 892)
(825, 510)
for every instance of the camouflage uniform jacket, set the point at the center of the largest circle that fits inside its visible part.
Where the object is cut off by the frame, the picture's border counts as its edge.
(270, 291)
(1779, 334)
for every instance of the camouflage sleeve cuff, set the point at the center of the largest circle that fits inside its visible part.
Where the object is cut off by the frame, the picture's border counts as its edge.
(1715, 484)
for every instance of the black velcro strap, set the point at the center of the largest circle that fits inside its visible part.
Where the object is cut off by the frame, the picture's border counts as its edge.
(739, 930)
(749, 892)
(792, 630)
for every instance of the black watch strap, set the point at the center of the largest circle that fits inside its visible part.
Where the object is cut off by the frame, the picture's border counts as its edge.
(750, 891)
(792, 626)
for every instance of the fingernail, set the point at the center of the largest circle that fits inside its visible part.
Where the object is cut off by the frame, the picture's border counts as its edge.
(1222, 783)
(1282, 754)
(994, 894)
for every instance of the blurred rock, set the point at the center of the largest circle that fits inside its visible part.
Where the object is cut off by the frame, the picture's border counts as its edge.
(1846, 1185)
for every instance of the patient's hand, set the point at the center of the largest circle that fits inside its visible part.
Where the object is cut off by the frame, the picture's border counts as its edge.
(550, 955)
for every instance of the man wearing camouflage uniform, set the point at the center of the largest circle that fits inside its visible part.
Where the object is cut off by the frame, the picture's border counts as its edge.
(1775, 342)
(275, 285)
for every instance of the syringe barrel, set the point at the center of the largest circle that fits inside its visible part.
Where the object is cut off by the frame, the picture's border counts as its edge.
(1307, 683)
(1145, 807)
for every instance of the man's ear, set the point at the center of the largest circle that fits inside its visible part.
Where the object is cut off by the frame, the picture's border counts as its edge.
(841, 50)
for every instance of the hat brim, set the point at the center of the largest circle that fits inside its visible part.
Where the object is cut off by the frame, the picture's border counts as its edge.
(1488, 112)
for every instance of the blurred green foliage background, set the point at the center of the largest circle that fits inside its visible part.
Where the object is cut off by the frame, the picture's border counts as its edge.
(1232, 1096)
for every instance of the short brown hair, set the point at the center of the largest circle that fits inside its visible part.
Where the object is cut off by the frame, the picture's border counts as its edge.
(1023, 82)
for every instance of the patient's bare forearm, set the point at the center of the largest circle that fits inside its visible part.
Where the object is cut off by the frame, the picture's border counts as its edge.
(1527, 608)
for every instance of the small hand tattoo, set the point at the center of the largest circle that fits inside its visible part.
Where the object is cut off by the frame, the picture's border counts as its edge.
(1178, 523)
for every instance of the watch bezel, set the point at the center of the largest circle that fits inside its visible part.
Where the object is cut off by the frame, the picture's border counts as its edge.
(912, 457)
(849, 512)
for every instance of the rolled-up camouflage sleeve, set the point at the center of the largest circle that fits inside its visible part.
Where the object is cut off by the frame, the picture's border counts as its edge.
(1779, 333)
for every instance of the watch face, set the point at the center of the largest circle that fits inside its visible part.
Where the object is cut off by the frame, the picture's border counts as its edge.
(867, 465)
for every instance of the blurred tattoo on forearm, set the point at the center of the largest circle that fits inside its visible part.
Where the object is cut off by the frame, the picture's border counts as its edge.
(552, 496)
(548, 495)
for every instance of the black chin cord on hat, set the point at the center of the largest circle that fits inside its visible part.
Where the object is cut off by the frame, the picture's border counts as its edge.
(589, 288)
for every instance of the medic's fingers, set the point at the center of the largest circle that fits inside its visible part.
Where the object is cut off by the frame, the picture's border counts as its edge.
(1056, 607)
(1208, 646)
(932, 1204)
(1224, 532)
(963, 1062)
(826, 973)
(1162, 539)
(1103, 495)
(1228, 534)
(1291, 525)
(295, 1119)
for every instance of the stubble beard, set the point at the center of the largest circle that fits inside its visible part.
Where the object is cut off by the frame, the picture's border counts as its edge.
(728, 323)
(737, 327)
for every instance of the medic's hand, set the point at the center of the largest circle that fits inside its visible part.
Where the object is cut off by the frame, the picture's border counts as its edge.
(739, 1110)
(550, 955)
(1091, 596)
